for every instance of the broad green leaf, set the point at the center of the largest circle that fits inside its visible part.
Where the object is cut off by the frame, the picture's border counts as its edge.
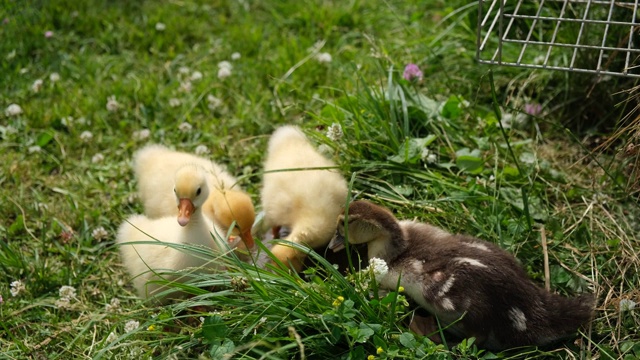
(407, 339)
(469, 160)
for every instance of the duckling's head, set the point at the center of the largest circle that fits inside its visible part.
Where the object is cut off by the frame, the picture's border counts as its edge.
(191, 191)
(235, 207)
(365, 222)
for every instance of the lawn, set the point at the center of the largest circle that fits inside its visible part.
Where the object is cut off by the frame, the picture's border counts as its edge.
(508, 155)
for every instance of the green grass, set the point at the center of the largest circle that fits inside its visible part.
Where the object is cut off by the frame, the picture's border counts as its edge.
(502, 185)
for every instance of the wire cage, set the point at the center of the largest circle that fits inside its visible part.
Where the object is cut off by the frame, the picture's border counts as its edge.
(589, 36)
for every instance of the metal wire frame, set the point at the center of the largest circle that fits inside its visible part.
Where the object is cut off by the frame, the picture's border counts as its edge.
(498, 41)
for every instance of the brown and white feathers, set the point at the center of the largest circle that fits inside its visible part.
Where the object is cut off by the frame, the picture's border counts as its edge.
(473, 286)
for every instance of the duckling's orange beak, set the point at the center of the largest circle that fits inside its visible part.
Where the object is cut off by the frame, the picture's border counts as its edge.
(185, 210)
(247, 238)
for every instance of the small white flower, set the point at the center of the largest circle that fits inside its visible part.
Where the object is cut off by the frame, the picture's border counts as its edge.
(235, 56)
(67, 121)
(185, 127)
(432, 158)
(196, 75)
(112, 104)
(224, 73)
(68, 292)
(17, 288)
(324, 57)
(114, 305)
(225, 65)
(13, 110)
(37, 85)
(80, 120)
(34, 149)
(202, 150)
(627, 305)
(99, 233)
(378, 267)
(183, 70)
(54, 77)
(97, 158)
(160, 26)
(112, 337)
(86, 136)
(173, 102)
(185, 86)
(8, 130)
(131, 325)
(63, 303)
(141, 134)
(334, 132)
(213, 102)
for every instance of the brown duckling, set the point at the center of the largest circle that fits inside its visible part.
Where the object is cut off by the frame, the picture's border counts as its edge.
(474, 287)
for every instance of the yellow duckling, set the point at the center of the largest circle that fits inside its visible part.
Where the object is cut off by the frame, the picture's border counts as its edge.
(307, 202)
(147, 262)
(227, 202)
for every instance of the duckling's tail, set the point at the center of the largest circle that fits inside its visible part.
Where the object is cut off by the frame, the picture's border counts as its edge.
(286, 135)
(565, 316)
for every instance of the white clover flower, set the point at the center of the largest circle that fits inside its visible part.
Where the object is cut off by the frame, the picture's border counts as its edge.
(141, 134)
(54, 77)
(185, 86)
(99, 233)
(80, 120)
(378, 267)
(63, 303)
(213, 102)
(196, 75)
(17, 288)
(202, 150)
(131, 325)
(67, 121)
(224, 73)
(235, 56)
(627, 305)
(8, 130)
(34, 149)
(173, 102)
(86, 136)
(185, 127)
(183, 70)
(13, 110)
(37, 85)
(334, 132)
(97, 158)
(324, 57)
(68, 292)
(112, 104)
(114, 305)
(112, 337)
(225, 65)
(160, 26)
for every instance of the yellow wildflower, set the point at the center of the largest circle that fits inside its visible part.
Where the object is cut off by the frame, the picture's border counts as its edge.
(401, 289)
(379, 350)
(371, 357)
(338, 301)
(151, 327)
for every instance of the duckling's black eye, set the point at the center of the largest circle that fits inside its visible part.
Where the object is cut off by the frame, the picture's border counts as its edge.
(198, 192)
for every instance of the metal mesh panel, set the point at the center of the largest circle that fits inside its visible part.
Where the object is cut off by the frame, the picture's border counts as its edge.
(592, 36)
